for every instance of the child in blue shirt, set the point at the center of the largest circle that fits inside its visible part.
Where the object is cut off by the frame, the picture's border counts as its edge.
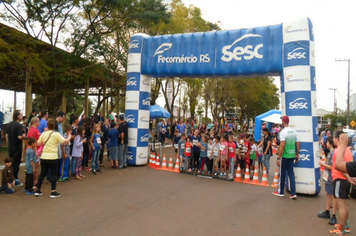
(181, 151)
(30, 165)
(176, 139)
(203, 153)
(113, 137)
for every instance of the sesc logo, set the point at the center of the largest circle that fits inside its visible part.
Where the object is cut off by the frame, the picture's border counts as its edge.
(134, 44)
(130, 119)
(299, 103)
(144, 139)
(129, 156)
(164, 47)
(146, 101)
(247, 53)
(132, 81)
(298, 53)
(304, 155)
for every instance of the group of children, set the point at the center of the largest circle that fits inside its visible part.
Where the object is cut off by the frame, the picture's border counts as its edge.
(220, 155)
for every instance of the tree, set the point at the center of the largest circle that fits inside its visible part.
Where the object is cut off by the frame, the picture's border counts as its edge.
(176, 82)
(193, 91)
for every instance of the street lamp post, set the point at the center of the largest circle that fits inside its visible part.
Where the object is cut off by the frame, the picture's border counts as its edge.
(348, 91)
(334, 89)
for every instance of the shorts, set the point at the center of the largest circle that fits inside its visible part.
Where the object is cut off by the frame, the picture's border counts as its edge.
(260, 158)
(329, 189)
(181, 156)
(342, 188)
(216, 161)
(252, 162)
(242, 164)
(114, 153)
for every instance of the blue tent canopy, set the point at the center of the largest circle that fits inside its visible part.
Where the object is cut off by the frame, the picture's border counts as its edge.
(259, 121)
(158, 112)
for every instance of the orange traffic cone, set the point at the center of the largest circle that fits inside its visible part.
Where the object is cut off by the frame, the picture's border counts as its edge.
(164, 163)
(170, 164)
(247, 176)
(264, 178)
(150, 163)
(255, 177)
(275, 180)
(238, 177)
(153, 165)
(158, 163)
(176, 167)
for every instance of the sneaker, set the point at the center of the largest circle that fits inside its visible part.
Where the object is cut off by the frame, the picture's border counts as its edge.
(221, 174)
(346, 229)
(337, 232)
(55, 194)
(38, 193)
(198, 171)
(190, 170)
(216, 173)
(93, 171)
(61, 180)
(275, 193)
(30, 193)
(332, 221)
(293, 196)
(323, 214)
(98, 170)
(18, 184)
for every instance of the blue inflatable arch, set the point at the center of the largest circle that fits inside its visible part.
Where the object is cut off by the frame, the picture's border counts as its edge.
(285, 49)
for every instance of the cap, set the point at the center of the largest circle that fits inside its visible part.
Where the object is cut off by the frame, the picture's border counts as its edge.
(285, 119)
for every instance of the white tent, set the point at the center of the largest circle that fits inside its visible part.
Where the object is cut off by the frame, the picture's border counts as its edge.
(273, 118)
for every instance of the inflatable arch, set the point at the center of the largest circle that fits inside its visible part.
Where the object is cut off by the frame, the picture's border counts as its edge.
(286, 50)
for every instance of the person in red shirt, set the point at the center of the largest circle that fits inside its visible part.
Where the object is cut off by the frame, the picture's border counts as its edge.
(188, 153)
(232, 155)
(342, 185)
(33, 132)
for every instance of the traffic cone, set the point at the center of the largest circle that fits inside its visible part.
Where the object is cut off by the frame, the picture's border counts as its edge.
(275, 180)
(264, 178)
(255, 177)
(164, 163)
(153, 165)
(170, 164)
(150, 163)
(247, 176)
(176, 167)
(158, 163)
(238, 177)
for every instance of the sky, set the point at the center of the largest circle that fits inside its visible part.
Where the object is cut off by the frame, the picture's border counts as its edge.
(333, 31)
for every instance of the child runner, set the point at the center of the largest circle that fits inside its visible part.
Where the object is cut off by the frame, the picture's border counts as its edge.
(188, 153)
(180, 151)
(329, 183)
(64, 165)
(30, 165)
(113, 137)
(8, 178)
(223, 155)
(247, 150)
(175, 142)
(252, 155)
(231, 155)
(209, 158)
(241, 153)
(77, 151)
(215, 154)
(95, 143)
(203, 153)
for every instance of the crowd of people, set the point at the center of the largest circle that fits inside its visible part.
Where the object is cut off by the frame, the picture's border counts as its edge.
(62, 149)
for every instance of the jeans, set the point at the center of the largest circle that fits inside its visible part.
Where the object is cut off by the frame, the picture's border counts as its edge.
(266, 159)
(16, 161)
(50, 166)
(7, 189)
(123, 155)
(64, 168)
(95, 160)
(29, 182)
(201, 163)
(196, 156)
(209, 164)
(287, 165)
(72, 164)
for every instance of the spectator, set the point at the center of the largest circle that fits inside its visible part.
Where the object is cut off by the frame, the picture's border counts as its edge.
(123, 141)
(43, 121)
(7, 179)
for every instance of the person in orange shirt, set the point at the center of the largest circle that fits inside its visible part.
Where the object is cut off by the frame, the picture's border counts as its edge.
(342, 186)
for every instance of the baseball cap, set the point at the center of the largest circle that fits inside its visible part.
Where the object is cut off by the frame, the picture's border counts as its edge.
(285, 119)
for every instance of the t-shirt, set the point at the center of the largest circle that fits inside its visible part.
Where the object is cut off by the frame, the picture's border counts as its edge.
(290, 137)
(43, 125)
(14, 129)
(210, 150)
(347, 157)
(351, 168)
(33, 132)
(189, 127)
(30, 156)
(159, 125)
(216, 147)
(163, 128)
(330, 162)
(204, 153)
(242, 148)
(96, 141)
(253, 152)
(188, 149)
(181, 145)
(175, 142)
(50, 150)
(181, 128)
(123, 128)
(195, 141)
(247, 149)
(223, 147)
(265, 144)
(113, 137)
(77, 146)
(232, 150)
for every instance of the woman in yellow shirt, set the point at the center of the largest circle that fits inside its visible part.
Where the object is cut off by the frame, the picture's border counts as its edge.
(50, 139)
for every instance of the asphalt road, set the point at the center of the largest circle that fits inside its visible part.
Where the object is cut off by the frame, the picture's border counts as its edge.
(143, 201)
